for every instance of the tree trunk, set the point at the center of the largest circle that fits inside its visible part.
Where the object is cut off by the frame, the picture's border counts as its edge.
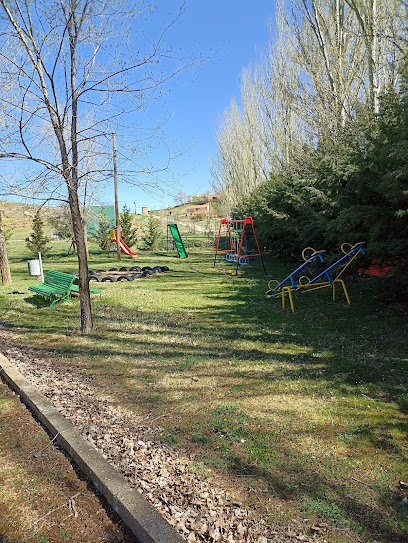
(84, 294)
(86, 238)
(4, 265)
(72, 183)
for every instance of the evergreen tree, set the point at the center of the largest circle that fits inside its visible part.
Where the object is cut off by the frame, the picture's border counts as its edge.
(101, 235)
(8, 233)
(153, 234)
(62, 223)
(128, 233)
(38, 242)
(352, 189)
(289, 212)
(366, 177)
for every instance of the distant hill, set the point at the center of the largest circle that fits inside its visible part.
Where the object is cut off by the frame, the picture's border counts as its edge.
(181, 210)
(14, 213)
(20, 215)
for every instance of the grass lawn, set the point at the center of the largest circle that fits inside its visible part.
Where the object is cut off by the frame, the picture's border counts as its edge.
(307, 411)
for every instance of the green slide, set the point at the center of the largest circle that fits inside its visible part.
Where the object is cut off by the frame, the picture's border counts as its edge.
(178, 241)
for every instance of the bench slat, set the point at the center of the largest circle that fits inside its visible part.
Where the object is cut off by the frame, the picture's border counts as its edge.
(56, 285)
(92, 290)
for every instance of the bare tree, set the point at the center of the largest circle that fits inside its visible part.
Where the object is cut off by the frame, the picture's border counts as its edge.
(181, 197)
(240, 164)
(382, 27)
(327, 52)
(324, 58)
(5, 275)
(281, 87)
(76, 68)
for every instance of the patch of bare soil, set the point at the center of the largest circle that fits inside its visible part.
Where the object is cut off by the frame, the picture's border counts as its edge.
(200, 510)
(41, 497)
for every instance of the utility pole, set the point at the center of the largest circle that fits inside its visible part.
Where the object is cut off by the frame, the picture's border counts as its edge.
(117, 218)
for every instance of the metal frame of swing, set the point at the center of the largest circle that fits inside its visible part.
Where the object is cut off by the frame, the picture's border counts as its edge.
(232, 251)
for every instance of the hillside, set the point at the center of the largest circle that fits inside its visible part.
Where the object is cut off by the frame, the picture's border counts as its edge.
(182, 210)
(19, 215)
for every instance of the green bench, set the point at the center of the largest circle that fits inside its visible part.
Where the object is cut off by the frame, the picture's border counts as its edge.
(58, 286)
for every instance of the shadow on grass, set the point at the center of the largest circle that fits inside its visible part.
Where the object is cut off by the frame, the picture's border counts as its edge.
(302, 482)
(252, 349)
(38, 301)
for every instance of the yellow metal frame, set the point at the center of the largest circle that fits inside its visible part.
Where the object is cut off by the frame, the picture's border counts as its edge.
(309, 284)
(314, 286)
(313, 253)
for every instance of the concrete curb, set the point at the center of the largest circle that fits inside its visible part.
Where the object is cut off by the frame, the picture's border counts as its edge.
(142, 518)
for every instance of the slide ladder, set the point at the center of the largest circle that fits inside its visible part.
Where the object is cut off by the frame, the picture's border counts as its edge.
(178, 242)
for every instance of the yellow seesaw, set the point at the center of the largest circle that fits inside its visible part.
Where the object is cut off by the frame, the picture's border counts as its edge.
(304, 283)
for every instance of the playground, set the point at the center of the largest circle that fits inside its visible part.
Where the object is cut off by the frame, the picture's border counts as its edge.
(287, 423)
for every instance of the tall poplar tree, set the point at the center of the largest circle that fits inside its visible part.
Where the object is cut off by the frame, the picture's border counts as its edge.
(325, 58)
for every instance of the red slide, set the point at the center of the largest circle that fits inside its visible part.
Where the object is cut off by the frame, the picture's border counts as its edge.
(123, 247)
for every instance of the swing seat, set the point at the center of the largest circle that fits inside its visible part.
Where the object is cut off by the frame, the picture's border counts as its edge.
(234, 241)
(231, 257)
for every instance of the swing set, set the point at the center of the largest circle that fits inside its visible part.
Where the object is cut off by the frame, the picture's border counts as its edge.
(322, 279)
(234, 240)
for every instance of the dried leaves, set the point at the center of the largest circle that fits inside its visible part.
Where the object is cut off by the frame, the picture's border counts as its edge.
(200, 510)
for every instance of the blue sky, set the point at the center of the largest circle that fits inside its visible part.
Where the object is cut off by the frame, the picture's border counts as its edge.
(232, 32)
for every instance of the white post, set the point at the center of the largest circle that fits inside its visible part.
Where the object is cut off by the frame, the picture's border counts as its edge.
(41, 268)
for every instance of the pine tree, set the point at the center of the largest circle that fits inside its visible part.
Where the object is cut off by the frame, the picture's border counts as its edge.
(101, 236)
(38, 242)
(62, 223)
(153, 233)
(8, 233)
(128, 233)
